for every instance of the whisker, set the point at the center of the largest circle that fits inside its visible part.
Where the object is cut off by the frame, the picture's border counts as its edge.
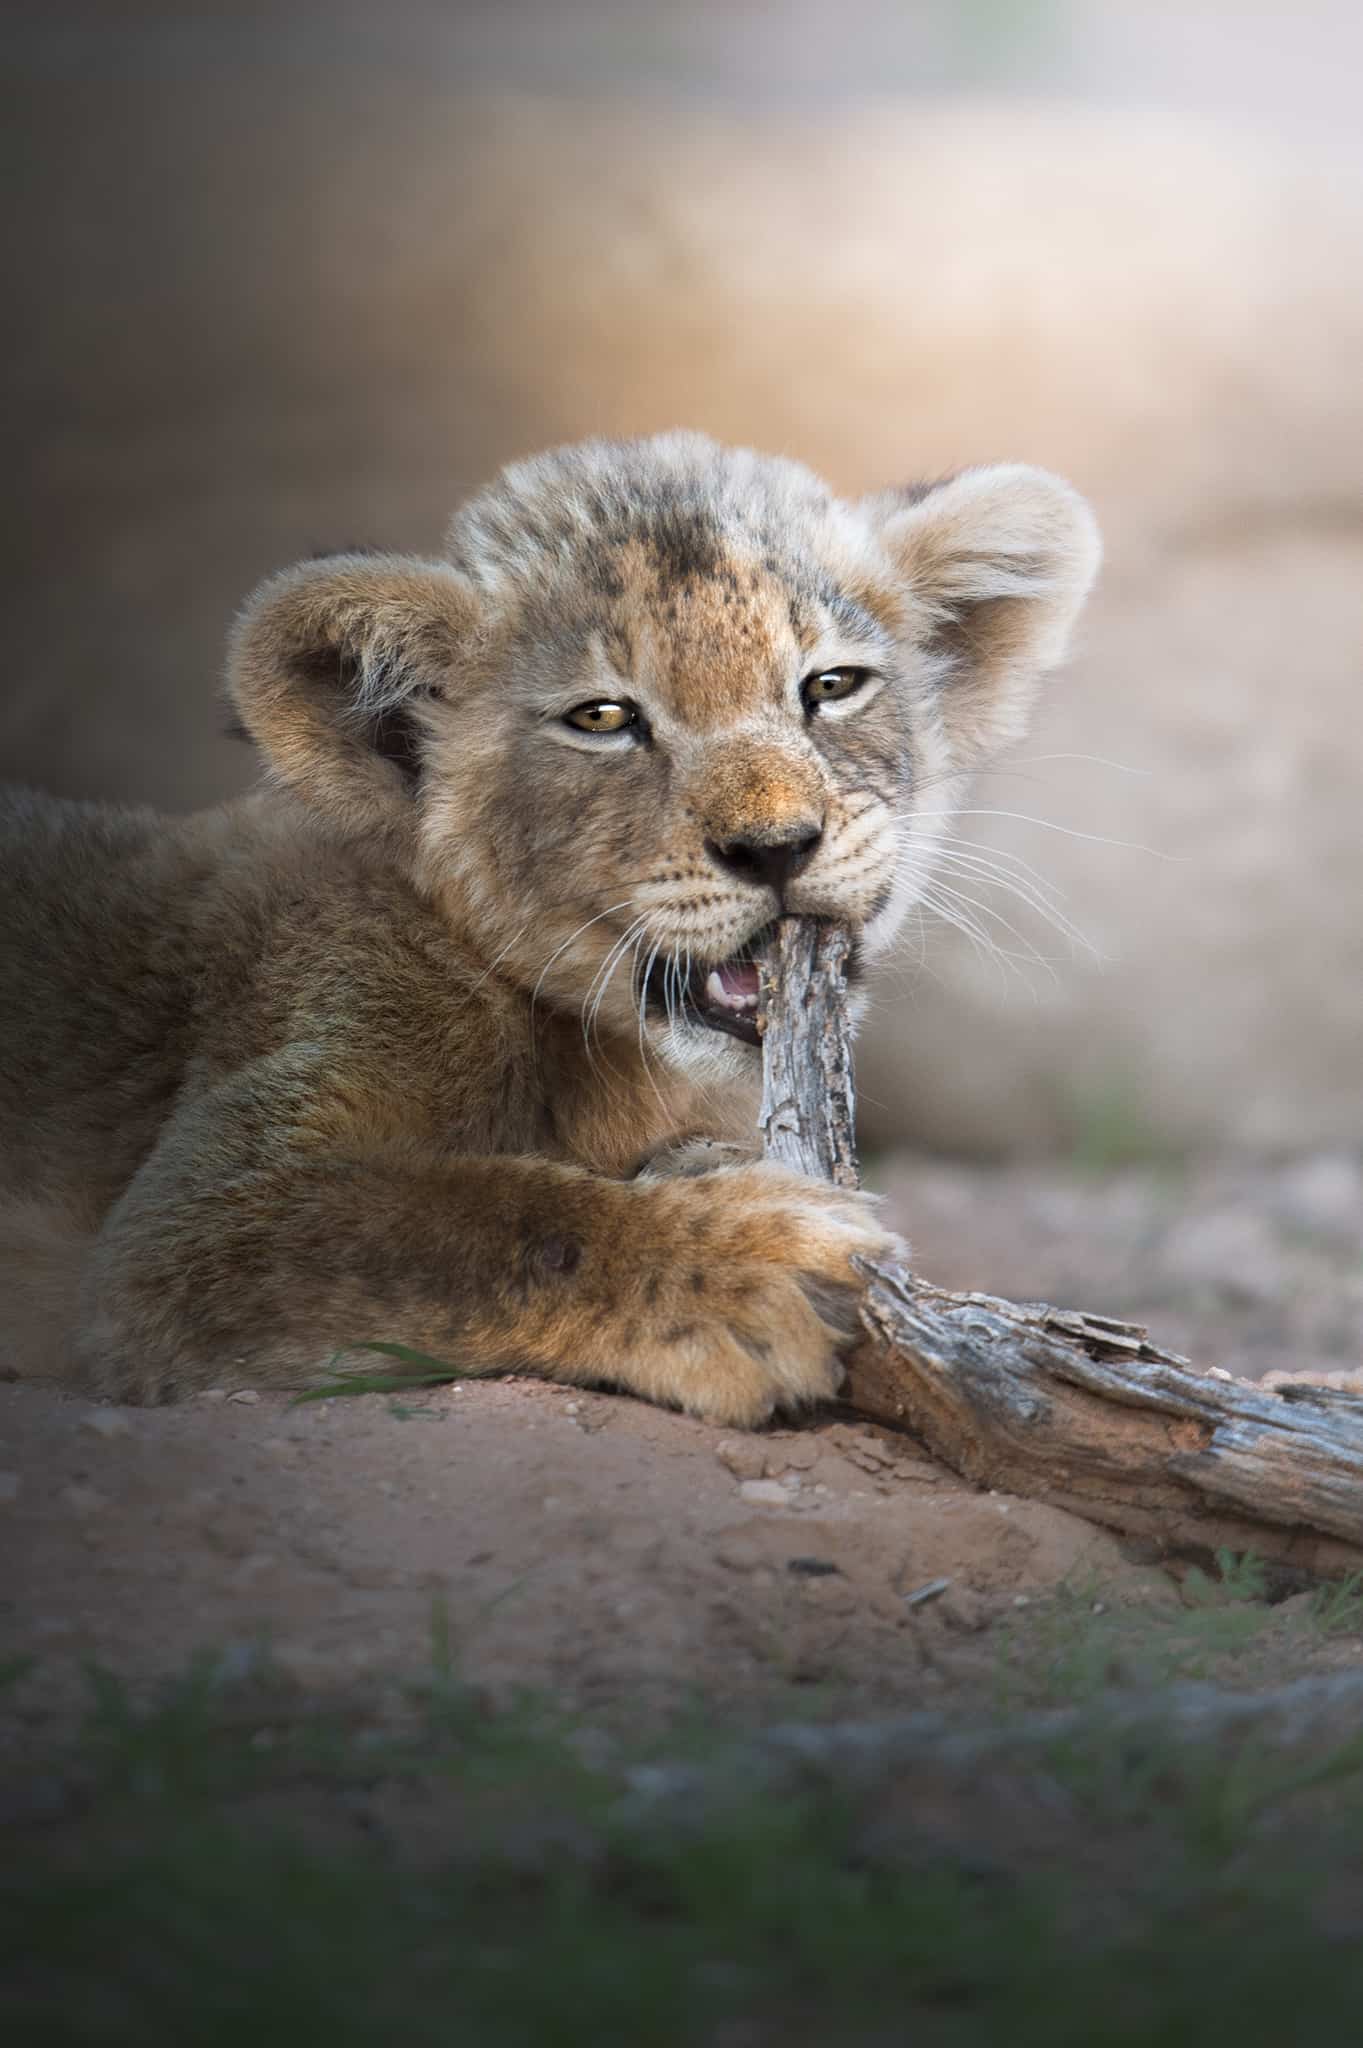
(960, 911)
(607, 967)
(970, 867)
(976, 860)
(601, 980)
(1069, 831)
(631, 936)
(1095, 760)
(984, 946)
(1005, 961)
(643, 1001)
(498, 958)
(1001, 853)
(1030, 951)
(608, 912)
(666, 991)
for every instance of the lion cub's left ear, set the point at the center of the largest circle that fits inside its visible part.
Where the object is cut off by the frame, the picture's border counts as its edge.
(329, 669)
(1000, 561)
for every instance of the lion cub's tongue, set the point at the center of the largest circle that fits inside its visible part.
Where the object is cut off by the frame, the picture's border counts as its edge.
(733, 986)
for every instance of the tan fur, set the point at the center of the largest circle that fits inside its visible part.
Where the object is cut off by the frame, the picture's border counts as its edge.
(365, 1056)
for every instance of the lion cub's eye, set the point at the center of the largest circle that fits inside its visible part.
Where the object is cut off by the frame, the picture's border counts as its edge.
(605, 716)
(830, 684)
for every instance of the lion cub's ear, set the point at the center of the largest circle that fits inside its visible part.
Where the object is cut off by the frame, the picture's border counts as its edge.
(1002, 560)
(328, 669)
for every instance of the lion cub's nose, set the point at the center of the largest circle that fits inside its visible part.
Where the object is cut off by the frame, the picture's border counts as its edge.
(768, 859)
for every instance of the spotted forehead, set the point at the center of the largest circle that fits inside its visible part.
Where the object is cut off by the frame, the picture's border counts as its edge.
(712, 626)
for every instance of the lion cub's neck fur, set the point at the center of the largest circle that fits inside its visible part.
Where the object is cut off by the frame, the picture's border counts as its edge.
(209, 933)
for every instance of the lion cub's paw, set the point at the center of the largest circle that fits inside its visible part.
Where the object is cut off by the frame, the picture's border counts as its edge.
(754, 1296)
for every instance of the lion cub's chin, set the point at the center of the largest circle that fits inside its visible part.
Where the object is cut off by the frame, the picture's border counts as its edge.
(704, 1055)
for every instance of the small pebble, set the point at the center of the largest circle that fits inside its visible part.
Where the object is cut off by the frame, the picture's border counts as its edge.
(105, 1422)
(744, 1456)
(796, 1455)
(246, 1395)
(962, 1610)
(769, 1492)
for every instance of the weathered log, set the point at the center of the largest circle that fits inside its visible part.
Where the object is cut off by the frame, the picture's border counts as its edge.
(1075, 1409)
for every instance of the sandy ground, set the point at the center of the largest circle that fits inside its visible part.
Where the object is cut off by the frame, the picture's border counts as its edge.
(622, 1559)
(585, 1546)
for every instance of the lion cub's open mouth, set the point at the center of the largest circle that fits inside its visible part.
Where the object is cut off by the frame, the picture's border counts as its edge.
(722, 998)
(727, 998)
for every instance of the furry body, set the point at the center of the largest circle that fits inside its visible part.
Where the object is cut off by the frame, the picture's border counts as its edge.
(414, 1042)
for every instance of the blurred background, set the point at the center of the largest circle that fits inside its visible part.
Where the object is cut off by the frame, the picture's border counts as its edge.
(288, 277)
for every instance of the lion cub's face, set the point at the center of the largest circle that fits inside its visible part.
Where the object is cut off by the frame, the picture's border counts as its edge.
(660, 693)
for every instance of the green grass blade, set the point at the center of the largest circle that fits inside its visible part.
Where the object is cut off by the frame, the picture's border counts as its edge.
(422, 1371)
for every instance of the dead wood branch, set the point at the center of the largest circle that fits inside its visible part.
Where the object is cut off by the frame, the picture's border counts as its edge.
(1062, 1406)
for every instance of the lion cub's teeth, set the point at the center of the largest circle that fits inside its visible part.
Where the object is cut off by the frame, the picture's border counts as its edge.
(727, 998)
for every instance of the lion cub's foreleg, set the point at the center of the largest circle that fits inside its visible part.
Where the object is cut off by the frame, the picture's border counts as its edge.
(264, 1233)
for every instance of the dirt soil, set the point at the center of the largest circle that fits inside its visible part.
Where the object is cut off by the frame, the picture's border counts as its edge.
(624, 1559)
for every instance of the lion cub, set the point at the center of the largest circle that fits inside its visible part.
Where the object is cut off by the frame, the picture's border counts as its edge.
(416, 1041)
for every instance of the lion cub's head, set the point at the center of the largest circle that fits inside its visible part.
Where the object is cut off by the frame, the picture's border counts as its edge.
(658, 692)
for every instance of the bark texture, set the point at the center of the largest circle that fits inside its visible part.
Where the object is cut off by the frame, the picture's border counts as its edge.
(1056, 1404)
(808, 1107)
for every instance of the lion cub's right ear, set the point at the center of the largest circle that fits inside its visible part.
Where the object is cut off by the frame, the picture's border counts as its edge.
(328, 669)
